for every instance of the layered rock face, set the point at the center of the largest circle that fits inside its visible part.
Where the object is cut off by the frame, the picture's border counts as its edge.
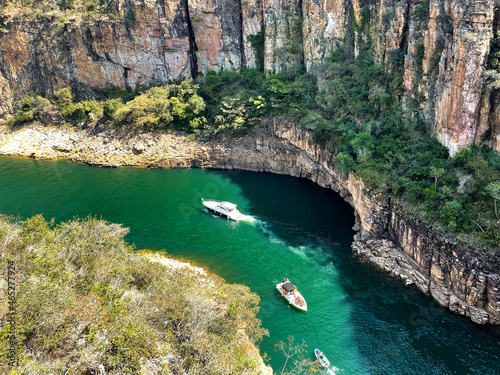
(144, 42)
(445, 45)
(400, 245)
(388, 237)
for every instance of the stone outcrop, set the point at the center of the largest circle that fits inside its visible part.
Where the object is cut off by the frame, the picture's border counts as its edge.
(388, 237)
(445, 45)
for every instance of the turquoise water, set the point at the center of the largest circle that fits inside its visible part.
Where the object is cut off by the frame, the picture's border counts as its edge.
(364, 322)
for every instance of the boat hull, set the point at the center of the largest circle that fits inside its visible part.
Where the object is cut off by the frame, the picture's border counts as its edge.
(221, 214)
(292, 299)
(323, 361)
(215, 208)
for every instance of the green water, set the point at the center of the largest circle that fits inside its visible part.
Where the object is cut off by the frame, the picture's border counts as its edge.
(364, 322)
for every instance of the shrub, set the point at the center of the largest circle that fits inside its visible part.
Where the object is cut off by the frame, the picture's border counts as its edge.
(257, 42)
(421, 11)
(450, 211)
(110, 107)
(173, 106)
(87, 301)
(32, 107)
(388, 15)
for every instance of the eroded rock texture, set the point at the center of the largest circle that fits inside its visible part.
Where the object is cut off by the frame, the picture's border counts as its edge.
(392, 240)
(444, 46)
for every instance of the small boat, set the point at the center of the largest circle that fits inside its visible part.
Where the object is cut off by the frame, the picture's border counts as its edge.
(323, 361)
(224, 209)
(292, 295)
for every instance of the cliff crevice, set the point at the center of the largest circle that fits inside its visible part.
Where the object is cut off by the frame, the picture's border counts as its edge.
(193, 48)
(445, 45)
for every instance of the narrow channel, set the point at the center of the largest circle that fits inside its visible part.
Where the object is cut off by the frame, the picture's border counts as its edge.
(365, 322)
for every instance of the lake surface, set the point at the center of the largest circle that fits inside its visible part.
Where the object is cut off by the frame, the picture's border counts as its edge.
(364, 322)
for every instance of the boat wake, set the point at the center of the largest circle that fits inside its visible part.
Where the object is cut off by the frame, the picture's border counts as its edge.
(248, 218)
(332, 371)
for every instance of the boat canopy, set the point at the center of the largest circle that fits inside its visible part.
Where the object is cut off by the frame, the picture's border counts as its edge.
(288, 287)
(228, 205)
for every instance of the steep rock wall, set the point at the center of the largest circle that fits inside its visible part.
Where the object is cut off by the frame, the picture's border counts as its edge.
(389, 238)
(146, 41)
(445, 45)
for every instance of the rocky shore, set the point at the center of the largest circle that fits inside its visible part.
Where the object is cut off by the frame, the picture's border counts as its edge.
(108, 148)
(396, 243)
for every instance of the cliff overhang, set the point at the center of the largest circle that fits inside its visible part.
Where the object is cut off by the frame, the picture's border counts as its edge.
(387, 236)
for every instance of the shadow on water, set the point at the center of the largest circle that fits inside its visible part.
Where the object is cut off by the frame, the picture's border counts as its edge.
(364, 322)
(394, 327)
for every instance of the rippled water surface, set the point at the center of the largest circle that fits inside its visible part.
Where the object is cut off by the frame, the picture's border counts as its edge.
(364, 322)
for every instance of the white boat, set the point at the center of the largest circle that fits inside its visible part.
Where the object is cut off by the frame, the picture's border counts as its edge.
(323, 361)
(224, 209)
(292, 295)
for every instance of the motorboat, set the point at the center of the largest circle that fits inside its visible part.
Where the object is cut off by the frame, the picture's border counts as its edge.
(292, 295)
(224, 209)
(323, 361)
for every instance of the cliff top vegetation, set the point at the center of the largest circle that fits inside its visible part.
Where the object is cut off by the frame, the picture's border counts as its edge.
(85, 303)
(355, 107)
(64, 10)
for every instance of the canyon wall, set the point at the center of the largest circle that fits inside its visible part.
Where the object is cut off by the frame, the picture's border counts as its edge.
(388, 237)
(392, 239)
(444, 46)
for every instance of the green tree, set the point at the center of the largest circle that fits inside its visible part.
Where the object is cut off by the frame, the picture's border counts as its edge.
(344, 162)
(363, 144)
(436, 173)
(173, 106)
(63, 97)
(493, 189)
(449, 213)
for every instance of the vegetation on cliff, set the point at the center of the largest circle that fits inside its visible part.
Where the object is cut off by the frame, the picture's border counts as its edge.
(357, 110)
(65, 11)
(85, 303)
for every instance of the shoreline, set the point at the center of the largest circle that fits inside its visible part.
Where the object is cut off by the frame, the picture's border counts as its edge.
(398, 244)
(108, 148)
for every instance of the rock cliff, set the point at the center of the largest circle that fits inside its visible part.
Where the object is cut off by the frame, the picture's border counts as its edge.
(387, 236)
(444, 46)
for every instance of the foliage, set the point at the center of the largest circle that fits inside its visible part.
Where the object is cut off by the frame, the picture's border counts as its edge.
(493, 189)
(173, 106)
(236, 101)
(257, 42)
(110, 107)
(360, 118)
(296, 362)
(33, 107)
(87, 303)
(64, 10)
(388, 15)
(421, 11)
(492, 74)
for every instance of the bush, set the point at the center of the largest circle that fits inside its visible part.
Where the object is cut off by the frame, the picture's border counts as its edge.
(167, 107)
(421, 11)
(388, 15)
(87, 301)
(32, 107)
(110, 107)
